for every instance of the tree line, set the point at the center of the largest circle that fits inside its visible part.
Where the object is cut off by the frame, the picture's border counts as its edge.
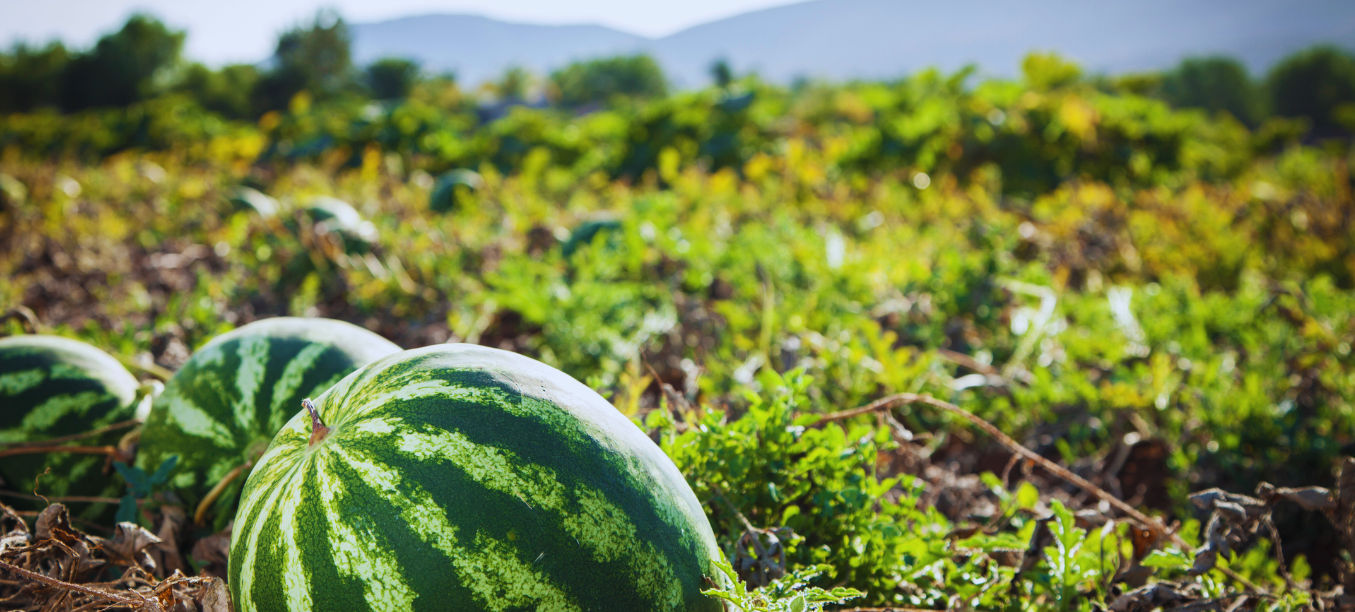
(144, 59)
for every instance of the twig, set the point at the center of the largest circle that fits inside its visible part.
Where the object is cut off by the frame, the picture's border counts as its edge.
(891, 609)
(57, 448)
(53, 582)
(1158, 529)
(26, 314)
(151, 368)
(76, 499)
(217, 490)
(89, 434)
(86, 523)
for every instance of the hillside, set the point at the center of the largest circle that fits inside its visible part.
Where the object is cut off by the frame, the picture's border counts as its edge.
(845, 39)
(478, 48)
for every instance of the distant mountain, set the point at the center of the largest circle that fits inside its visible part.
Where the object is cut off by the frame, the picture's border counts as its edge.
(479, 49)
(846, 39)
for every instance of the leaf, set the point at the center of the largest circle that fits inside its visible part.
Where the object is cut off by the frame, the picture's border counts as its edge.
(127, 509)
(134, 476)
(161, 474)
(990, 543)
(1169, 558)
(1027, 496)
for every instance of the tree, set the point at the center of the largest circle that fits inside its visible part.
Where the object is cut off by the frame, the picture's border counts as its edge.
(1049, 71)
(123, 67)
(601, 80)
(392, 78)
(316, 59)
(514, 84)
(1313, 84)
(721, 73)
(225, 91)
(1214, 84)
(31, 78)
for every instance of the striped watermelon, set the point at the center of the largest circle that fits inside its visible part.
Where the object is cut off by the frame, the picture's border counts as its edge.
(221, 409)
(459, 477)
(52, 387)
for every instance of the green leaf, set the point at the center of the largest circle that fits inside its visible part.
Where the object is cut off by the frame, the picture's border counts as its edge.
(135, 478)
(1168, 558)
(161, 474)
(1027, 496)
(126, 509)
(989, 543)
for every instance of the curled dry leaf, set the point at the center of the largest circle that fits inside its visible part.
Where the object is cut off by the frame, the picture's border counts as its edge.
(128, 546)
(213, 553)
(1163, 595)
(59, 569)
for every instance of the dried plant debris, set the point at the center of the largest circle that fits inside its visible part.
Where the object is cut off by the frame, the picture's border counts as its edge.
(57, 568)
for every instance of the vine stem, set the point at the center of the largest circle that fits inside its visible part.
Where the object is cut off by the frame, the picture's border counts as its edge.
(71, 438)
(139, 602)
(217, 490)
(57, 448)
(1159, 530)
(318, 429)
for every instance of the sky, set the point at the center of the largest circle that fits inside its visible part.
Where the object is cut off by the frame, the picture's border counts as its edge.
(226, 31)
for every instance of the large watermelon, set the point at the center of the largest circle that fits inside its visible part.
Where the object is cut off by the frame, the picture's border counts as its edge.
(52, 387)
(459, 477)
(222, 408)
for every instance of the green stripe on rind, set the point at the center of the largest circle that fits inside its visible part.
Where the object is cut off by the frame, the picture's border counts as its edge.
(52, 387)
(222, 408)
(468, 478)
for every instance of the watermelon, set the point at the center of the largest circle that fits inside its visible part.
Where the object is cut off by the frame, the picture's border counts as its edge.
(51, 387)
(460, 477)
(222, 408)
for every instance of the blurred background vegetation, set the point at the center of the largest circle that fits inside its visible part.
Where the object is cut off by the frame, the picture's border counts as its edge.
(1149, 278)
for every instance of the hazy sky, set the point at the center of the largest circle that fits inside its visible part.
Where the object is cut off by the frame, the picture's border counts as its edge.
(223, 31)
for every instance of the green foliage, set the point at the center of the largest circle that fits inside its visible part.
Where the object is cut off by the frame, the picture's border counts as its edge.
(1070, 258)
(819, 483)
(600, 81)
(1313, 84)
(1213, 84)
(123, 68)
(787, 594)
(315, 59)
(141, 486)
(392, 78)
(721, 73)
(30, 78)
(225, 92)
(515, 84)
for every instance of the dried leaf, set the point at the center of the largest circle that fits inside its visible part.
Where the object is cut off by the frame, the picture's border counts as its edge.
(215, 597)
(128, 546)
(1159, 595)
(166, 552)
(213, 553)
(1314, 499)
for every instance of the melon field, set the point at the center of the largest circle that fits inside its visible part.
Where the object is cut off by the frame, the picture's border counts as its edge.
(941, 343)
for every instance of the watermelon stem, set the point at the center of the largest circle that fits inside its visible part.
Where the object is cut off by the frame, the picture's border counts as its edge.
(318, 428)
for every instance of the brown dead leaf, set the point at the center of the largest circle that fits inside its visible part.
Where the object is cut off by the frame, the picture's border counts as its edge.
(1314, 499)
(215, 597)
(166, 552)
(128, 546)
(213, 552)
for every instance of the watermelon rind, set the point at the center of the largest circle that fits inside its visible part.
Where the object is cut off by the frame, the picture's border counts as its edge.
(51, 387)
(460, 477)
(220, 410)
